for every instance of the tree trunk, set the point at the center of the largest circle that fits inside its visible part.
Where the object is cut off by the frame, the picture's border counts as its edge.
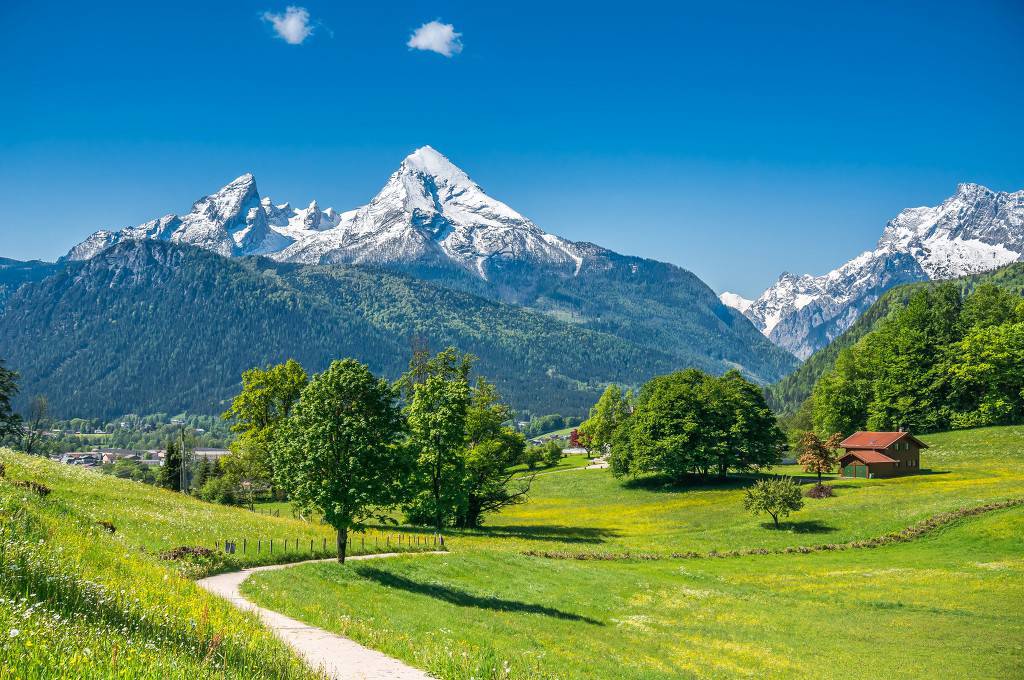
(342, 544)
(775, 517)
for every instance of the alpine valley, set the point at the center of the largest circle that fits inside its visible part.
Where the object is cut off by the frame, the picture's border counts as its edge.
(974, 230)
(190, 301)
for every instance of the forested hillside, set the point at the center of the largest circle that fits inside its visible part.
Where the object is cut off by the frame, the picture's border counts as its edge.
(786, 395)
(151, 327)
(949, 359)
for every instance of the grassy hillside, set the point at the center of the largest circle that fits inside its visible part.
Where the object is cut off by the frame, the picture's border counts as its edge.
(79, 601)
(950, 604)
(786, 395)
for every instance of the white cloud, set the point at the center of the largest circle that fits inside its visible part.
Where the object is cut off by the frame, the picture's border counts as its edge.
(292, 26)
(436, 37)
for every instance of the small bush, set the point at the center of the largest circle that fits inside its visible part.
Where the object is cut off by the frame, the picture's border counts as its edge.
(184, 552)
(820, 491)
(35, 487)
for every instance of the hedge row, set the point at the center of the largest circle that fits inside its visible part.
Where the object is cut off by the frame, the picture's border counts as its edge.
(903, 536)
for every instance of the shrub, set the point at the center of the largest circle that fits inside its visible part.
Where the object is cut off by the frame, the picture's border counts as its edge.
(184, 552)
(820, 491)
(777, 496)
(552, 453)
(532, 456)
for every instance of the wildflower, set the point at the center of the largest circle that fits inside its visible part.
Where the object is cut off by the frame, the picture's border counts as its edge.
(14, 633)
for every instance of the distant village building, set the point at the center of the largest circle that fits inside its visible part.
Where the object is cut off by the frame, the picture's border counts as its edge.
(211, 454)
(881, 454)
(83, 458)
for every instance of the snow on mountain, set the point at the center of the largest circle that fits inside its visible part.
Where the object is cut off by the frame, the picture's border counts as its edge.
(230, 222)
(736, 301)
(974, 230)
(428, 212)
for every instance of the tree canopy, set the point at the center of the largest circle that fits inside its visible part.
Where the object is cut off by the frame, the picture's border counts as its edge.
(942, 361)
(339, 450)
(438, 403)
(265, 401)
(690, 422)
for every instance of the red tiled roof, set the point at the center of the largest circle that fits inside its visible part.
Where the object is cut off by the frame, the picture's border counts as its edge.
(877, 440)
(868, 456)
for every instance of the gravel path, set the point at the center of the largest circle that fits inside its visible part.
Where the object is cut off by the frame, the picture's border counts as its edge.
(336, 656)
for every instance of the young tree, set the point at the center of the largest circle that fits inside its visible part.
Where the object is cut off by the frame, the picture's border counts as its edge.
(10, 422)
(439, 397)
(492, 450)
(584, 440)
(777, 496)
(169, 476)
(338, 452)
(817, 455)
(33, 430)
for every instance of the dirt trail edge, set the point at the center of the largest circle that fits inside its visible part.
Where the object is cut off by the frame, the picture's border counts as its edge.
(336, 656)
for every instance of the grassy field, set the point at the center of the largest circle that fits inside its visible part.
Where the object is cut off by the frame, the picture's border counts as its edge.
(950, 604)
(78, 601)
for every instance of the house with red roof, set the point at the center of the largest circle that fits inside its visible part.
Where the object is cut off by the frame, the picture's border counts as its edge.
(881, 454)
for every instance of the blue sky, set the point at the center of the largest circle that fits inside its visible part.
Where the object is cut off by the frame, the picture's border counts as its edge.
(737, 140)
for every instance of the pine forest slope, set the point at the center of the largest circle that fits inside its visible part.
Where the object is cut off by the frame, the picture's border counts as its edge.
(156, 327)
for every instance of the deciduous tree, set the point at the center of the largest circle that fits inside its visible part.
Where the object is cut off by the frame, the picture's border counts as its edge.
(438, 401)
(267, 398)
(607, 414)
(776, 496)
(817, 455)
(338, 452)
(492, 449)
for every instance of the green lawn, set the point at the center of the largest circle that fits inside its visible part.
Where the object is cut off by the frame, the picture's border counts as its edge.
(947, 605)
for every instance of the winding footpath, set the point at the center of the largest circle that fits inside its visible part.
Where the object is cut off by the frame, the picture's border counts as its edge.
(337, 657)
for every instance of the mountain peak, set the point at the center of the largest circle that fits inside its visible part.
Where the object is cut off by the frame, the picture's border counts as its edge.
(428, 161)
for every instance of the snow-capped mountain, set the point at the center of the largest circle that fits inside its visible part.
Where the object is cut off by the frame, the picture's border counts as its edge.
(429, 212)
(229, 222)
(736, 301)
(974, 230)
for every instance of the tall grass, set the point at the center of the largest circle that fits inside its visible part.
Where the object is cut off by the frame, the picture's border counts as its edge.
(77, 602)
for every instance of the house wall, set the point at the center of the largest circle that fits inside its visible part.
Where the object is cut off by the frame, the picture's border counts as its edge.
(909, 456)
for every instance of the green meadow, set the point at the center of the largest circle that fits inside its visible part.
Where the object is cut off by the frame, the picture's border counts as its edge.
(948, 604)
(79, 601)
